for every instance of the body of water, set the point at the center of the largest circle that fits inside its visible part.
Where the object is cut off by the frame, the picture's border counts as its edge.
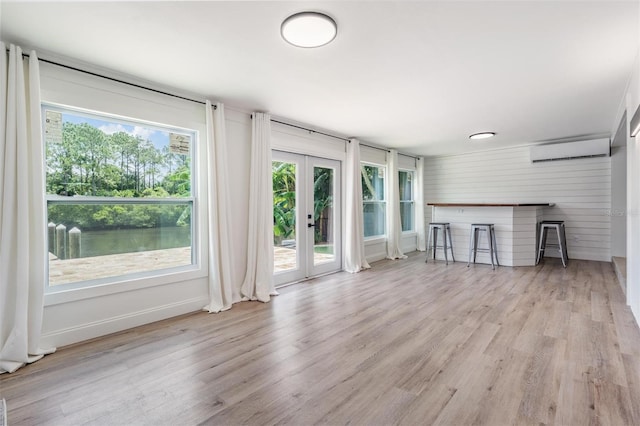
(101, 243)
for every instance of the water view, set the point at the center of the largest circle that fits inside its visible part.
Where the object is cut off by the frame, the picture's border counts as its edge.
(101, 243)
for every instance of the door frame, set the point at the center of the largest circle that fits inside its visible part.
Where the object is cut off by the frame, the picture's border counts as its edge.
(305, 267)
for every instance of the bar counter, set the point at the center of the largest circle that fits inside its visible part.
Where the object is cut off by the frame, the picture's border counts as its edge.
(515, 227)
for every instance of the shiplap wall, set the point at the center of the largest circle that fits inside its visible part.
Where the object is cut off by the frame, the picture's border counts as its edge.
(580, 189)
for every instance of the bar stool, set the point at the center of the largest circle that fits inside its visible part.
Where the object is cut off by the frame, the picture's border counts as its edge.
(491, 240)
(558, 226)
(434, 227)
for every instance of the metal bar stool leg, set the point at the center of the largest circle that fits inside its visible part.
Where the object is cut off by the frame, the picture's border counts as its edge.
(562, 242)
(564, 239)
(470, 247)
(444, 244)
(453, 258)
(490, 241)
(543, 242)
(436, 229)
(475, 243)
(495, 244)
(428, 243)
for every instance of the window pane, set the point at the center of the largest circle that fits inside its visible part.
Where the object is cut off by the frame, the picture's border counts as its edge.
(406, 215)
(406, 186)
(374, 218)
(92, 162)
(284, 216)
(372, 183)
(99, 156)
(323, 214)
(97, 241)
(406, 199)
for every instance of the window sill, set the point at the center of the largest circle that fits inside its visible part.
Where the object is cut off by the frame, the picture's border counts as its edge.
(375, 240)
(126, 284)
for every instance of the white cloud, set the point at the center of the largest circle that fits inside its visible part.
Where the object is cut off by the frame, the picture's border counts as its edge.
(112, 128)
(144, 132)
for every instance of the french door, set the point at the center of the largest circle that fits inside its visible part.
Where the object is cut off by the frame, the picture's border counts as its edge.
(306, 216)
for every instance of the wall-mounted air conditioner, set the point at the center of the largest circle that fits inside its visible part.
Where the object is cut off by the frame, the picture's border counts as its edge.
(570, 150)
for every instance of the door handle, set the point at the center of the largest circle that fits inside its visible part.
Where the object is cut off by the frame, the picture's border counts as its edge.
(310, 225)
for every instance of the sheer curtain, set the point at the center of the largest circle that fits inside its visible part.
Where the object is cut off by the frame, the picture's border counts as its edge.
(220, 264)
(394, 226)
(22, 217)
(419, 200)
(354, 256)
(258, 281)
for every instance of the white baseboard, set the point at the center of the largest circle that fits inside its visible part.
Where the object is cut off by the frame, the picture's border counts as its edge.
(82, 332)
(376, 256)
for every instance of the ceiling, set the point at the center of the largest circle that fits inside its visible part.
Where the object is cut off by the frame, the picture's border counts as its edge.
(418, 76)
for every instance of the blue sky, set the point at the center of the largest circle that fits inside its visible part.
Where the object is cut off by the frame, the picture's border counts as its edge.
(159, 139)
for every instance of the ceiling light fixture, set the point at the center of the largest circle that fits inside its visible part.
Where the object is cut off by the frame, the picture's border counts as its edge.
(309, 29)
(482, 135)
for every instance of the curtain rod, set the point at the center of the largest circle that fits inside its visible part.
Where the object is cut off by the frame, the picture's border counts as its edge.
(388, 150)
(338, 137)
(375, 147)
(26, 55)
(310, 130)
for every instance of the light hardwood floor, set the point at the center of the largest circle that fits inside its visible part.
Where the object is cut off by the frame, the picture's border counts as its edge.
(403, 343)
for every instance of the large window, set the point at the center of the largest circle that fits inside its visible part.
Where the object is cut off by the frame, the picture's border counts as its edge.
(373, 200)
(119, 197)
(406, 179)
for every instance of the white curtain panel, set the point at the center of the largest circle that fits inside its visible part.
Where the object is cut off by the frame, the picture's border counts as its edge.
(220, 266)
(419, 200)
(258, 282)
(23, 251)
(394, 227)
(354, 256)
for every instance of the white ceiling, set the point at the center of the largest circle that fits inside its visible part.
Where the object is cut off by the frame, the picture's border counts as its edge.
(417, 76)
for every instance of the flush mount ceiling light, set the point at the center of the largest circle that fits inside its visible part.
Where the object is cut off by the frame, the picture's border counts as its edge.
(309, 29)
(482, 135)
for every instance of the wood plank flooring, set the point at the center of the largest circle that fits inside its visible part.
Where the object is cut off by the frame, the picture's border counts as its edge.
(404, 343)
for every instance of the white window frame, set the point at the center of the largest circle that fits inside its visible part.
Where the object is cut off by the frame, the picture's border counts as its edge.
(88, 200)
(379, 202)
(412, 201)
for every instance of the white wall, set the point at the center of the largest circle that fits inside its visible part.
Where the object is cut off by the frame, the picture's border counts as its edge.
(580, 189)
(619, 190)
(75, 315)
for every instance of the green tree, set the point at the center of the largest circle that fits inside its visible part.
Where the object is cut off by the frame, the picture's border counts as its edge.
(322, 202)
(89, 162)
(284, 201)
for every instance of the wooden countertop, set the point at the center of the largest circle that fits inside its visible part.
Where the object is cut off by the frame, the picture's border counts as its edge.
(491, 204)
